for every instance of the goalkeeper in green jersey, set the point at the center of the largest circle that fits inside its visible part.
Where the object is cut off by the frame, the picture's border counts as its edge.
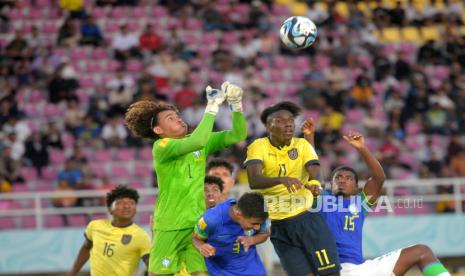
(179, 161)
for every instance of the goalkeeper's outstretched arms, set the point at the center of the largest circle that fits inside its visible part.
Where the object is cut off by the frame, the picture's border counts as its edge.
(239, 126)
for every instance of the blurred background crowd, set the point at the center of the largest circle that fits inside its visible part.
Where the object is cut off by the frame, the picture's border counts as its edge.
(393, 70)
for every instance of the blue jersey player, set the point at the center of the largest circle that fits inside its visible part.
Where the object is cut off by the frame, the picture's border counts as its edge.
(226, 236)
(346, 223)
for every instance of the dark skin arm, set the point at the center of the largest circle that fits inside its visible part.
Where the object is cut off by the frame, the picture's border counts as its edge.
(258, 181)
(374, 184)
(201, 244)
(253, 240)
(82, 257)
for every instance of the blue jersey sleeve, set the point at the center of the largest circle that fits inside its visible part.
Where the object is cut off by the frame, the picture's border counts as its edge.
(206, 224)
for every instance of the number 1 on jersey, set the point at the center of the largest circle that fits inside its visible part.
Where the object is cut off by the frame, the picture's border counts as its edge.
(282, 170)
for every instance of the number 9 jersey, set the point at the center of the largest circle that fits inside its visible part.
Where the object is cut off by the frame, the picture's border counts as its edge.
(115, 250)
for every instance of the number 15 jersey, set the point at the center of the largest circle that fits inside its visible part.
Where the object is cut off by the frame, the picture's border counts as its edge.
(116, 250)
(290, 161)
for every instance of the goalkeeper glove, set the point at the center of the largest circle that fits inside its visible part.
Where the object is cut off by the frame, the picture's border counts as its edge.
(233, 95)
(215, 98)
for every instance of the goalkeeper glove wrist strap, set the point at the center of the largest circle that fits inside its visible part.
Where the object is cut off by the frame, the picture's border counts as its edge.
(236, 107)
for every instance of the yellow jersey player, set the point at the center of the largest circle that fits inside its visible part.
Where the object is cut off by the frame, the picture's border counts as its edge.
(283, 168)
(115, 246)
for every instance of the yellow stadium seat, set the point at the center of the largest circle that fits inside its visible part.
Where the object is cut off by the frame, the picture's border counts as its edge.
(411, 34)
(284, 2)
(299, 8)
(391, 34)
(462, 30)
(429, 33)
(342, 9)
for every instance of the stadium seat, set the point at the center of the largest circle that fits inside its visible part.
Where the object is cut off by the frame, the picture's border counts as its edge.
(44, 187)
(20, 188)
(77, 220)
(144, 218)
(54, 221)
(28, 222)
(430, 33)
(143, 170)
(28, 173)
(102, 155)
(98, 169)
(57, 156)
(355, 115)
(145, 154)
(7, 223)
(118, 171)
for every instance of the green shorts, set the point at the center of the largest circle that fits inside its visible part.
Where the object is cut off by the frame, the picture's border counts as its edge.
(170, 249)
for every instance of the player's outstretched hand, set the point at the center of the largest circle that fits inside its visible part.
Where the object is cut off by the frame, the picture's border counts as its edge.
(207, 250)
(292, 184)
(356, 139)
(246, 242)
(215, 98)
(308, 127)
(233, 95)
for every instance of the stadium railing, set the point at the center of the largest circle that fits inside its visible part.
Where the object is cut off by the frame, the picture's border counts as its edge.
(401, 194)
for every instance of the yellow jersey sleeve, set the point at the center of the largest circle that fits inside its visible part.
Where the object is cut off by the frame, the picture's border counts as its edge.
(255, 153)
(144, 243)
(309, 154)
(89, 230)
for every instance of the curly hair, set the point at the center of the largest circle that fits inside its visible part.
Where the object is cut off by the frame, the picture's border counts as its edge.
(289, 106)
(213, 180)
(122, 191)
(219, 162)
(252, 205)
(142, 116)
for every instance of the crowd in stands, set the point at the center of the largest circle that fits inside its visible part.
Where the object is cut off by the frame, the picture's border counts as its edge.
(69, 69)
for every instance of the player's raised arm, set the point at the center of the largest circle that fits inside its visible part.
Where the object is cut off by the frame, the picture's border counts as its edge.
(81, 259)
(374, 184)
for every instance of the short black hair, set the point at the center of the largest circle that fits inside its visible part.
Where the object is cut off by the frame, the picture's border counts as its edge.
(252, 205)
(220, 162)
(122, 191)
(289, 106)
(344, 168)
(214, 180)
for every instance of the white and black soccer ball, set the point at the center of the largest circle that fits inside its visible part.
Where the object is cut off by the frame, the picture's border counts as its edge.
(298, 32)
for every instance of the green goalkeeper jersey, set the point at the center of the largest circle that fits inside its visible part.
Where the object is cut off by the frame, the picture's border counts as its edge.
(180, 167)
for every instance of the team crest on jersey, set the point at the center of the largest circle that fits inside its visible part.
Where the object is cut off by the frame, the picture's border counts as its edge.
(125, 239)
(293, 154)
(165, 262)
(197, 155)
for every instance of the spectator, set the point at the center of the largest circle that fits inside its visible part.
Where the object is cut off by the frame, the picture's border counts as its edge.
(52, 136)
(35, 40)
(73, 115)
(362, 92)
(37, 151)
(91, 33)
(74, 7)
(105, 185)
(149, 40)
(18, 48)
(125, 44)
(114, 132)
(10, 168)
(88, 133)
(311, 92)
(64, 201)
(121, 92)
(70, 174)
(63, 84)
(5, 186)
(437, 120)
(185, 96)
(79, 158)
(68, 34)
(17, 146)
(457, 164)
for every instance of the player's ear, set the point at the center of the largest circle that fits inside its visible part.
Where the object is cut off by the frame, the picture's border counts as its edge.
(158, 130)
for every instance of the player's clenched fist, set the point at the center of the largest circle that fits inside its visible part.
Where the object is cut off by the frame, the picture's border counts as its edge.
(233, 95)
(207, 250)
(215, 98)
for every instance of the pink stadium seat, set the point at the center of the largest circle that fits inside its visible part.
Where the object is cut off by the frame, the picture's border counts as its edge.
(77, 220)
(54, 13)
(99, 216)
(32, 110)
(50, 173)
(87, 82)
(280, 10)
(441, 72)
(20, 188)
(50, 27)
(137, 185)
(194, 24)
(98, 12)
(118, 13)
(144, 218)
(280, 62)
(125, 155)
(113, 65)
(119, 171)
(159, 11)
(52, 110)
(97, 169)
(272, 92)
(35, 14)
(297, 75)
(54, 221)
(42, 3)
(134, 66)
(209, 38)
(355, 115)
(144, 170)
(93, 67)
(138, 12)
(29, 174)
(36, 96)
(28, 222)
(44, 187)
(145, 154)
(302, 62)
(7, 223)
(413, 128)
(15, 14)
(276, 76)
(230, 38)
(57, 156)
(98, 53)
(78, 54)
(68, 140)
(263, 63)
(102, 155)
(191, 39)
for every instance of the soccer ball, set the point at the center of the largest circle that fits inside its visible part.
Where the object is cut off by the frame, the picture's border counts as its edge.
(298, 32)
